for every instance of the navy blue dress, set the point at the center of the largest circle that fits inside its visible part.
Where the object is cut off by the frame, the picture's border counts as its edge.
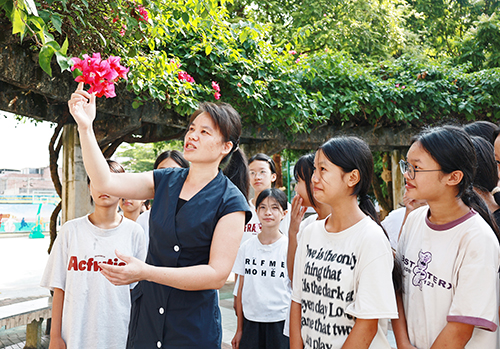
(163, 316)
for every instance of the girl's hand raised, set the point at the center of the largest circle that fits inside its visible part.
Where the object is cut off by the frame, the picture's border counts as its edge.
(82, 107)
(125, 275)
(296, 215)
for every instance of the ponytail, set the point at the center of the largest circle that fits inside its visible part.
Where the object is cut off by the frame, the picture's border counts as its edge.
(474, 201)
(352, 153)
(237, 170)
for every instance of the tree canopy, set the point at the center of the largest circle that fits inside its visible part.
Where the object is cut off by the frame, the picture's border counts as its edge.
(291, 65)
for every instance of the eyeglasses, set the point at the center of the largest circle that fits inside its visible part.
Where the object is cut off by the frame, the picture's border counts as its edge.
(261, 174)
(406, 167)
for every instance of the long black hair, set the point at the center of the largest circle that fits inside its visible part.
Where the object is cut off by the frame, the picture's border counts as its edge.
(486, 178)
(453, 150)
(303, 169)
(352, 153)
(228, 122)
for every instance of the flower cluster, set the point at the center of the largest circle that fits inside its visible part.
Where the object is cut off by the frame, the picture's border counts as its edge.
(143, 14)
(397, 85)
(184, 76)
(100, 74)
(216, 87)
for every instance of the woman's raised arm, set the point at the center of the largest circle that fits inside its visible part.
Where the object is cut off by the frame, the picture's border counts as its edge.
(128, 185)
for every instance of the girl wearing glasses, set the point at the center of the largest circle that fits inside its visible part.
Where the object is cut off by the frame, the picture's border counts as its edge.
(449, 250)
(342, 289)
(262, 171)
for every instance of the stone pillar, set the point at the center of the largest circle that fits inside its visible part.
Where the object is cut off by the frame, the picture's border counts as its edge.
(398, 181)
(34, 335)
(75, 192)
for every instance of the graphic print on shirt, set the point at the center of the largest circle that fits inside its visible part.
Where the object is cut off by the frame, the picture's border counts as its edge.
(326, 274)
(92, 263)
(253, 228)
(265, 268)
(421, 276)
(419, 271)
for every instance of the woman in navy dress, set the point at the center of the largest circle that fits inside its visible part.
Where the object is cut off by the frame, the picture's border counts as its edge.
(196, 225)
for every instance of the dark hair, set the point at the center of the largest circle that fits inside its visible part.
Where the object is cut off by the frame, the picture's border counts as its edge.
(228, 122)
(453, 150)
(486, 178)
(265, 158)
(174, 155)
(277, 194)
(303, 169)
(352, 153)
(484, 129)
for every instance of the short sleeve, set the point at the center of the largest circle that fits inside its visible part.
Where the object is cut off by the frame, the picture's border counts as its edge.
(239, 264)
(54, 275)
(298, 268)
(374, 292)
(140, 245)
(477, 287)
(234, 201)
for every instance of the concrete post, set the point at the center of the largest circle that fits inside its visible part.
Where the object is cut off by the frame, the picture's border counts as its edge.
(398, 182)
(75, 192)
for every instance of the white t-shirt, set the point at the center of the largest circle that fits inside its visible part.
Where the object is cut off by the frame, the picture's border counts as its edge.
(392, 225)
(95, 312)
(266, 290)
(450, 274)
(310, 219)
(253, 227)
(143, 221)
(339, 276)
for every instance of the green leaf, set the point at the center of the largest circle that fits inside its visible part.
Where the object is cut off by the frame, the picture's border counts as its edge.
(77, 72)
(18, 25)
(208, 49)
(57, 22)
(63, 61)
(44, 58)
(185, 17)
(136, 104)
(64, 48)
(31, 7)
(247, 79)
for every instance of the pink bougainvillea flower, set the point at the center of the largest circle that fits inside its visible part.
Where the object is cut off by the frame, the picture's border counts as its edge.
(122, 32)
(215, 86)
(143, 14)
(292, 52)
(100, 74)
(115, 19)
(239, 84)
(297, 60)
(217, 95)
(397, 85)
(184, 76)
(403, 86)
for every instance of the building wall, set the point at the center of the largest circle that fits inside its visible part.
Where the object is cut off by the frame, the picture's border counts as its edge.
(26, 181)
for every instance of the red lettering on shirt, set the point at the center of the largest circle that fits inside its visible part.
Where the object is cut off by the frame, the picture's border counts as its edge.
(91, 264)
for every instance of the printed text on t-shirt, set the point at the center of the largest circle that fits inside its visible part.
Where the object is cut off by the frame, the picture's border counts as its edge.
(323, 279)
